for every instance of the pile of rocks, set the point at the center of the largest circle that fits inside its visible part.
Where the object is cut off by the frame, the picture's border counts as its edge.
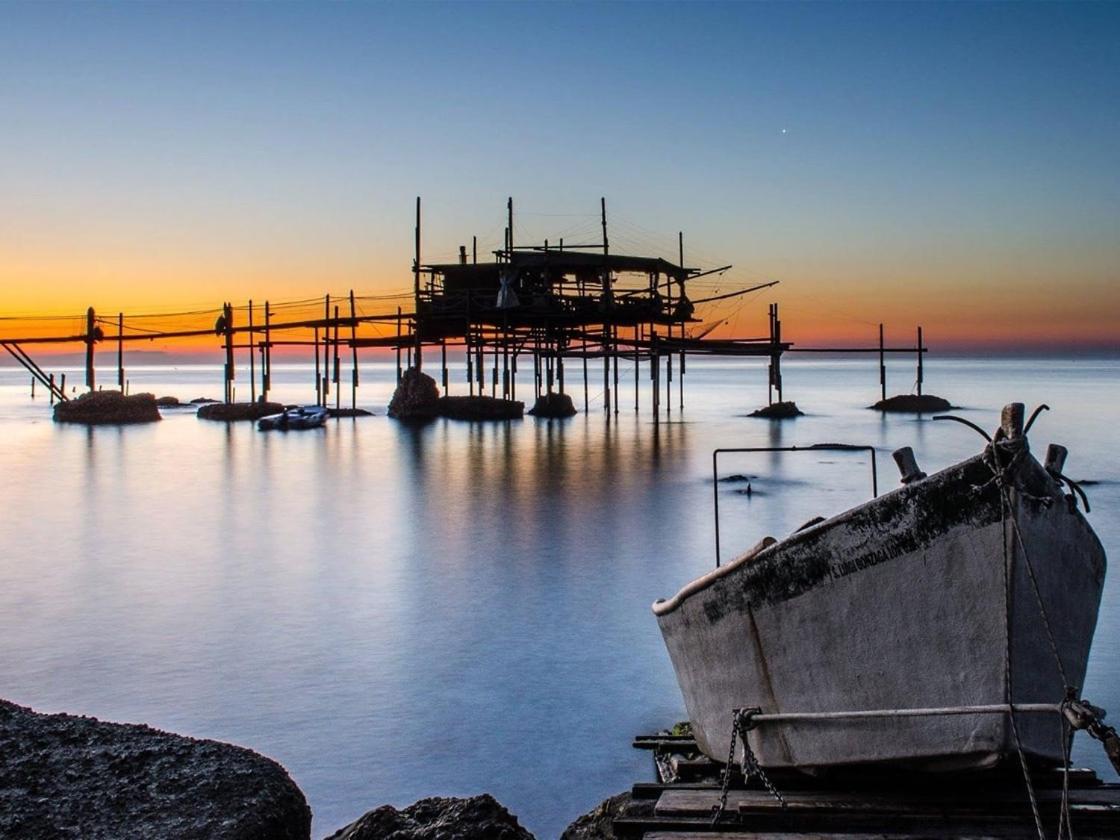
(107, 407)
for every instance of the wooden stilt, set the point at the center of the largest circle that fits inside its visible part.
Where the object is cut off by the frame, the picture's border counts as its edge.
(337, 372)
(266, 351)
(252, 359)
(882, 365)
(920, 353)
(354, 354)
(120, 351)
(90, 327)
(318, 376)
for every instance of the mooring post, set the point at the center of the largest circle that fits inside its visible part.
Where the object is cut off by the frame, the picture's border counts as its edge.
(51, 388)
(882, 365)
(120, 351)
(252, 358)
(62, 385)
(89, 348)
(920, 351)
(32, 387)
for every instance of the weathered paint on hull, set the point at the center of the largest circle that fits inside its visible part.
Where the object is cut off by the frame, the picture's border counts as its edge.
(899, 603)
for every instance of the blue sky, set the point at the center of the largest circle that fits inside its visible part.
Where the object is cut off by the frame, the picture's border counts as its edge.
(818, 143)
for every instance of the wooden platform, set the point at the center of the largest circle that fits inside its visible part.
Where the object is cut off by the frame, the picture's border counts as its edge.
(857, 805)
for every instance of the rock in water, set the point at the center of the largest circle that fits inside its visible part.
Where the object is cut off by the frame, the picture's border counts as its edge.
(107, 407)
(598, 824)
(68, 776)
(168, 402)
(416, 397)
(477, 818)
(912, 404)
(553, 404)
(232, 412)
(779, 411)
(481, 408)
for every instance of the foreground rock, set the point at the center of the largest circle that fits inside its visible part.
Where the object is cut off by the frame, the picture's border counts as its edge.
(416, 397)
(598, 824)
(553, 404)
(67, 776)
(477, 818)
(481, 408)
(912, 404)
(779, 411)
(107, 407)
(232, 412)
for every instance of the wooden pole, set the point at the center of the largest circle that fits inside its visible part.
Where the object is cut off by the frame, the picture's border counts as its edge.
(318, 376)
(326, 389)
(62, 385)
(252, 359)
(882, 366)
(90, 382)
(416, 291)
(120, 351)
(51, 388)
(266, 354)
(920, 372)
(614, 354)
(398, 345)
(443, 362)
(778, 351)
(637, 362)
(337, 364)
(585, 397)
(230, 373)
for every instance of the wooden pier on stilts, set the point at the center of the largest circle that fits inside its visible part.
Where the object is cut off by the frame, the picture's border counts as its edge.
(552, 309)
(683, 802)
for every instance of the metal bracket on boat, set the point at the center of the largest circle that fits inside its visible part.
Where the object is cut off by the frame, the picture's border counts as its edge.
(1082, 714)
(816, 447)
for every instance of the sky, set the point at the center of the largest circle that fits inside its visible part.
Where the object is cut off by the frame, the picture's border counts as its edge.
(955, 166)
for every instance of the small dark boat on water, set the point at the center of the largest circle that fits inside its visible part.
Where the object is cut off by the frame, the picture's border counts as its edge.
(297, 417)
(943, 626)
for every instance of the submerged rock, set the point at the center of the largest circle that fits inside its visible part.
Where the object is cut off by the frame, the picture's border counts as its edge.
(349, 412)
(779, 411)
(168, 402)
(477, 818)
(68, 776)
(203, 401)
(597, 824)
(416, 397)
(107, 407)
(553, 404)
(231, 412)
(912, 404)
(481, 408)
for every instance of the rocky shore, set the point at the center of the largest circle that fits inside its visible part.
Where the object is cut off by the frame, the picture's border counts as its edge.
(98, 408)
(65, 776)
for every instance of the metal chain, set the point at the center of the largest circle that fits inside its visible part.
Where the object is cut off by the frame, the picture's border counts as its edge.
(741, 724)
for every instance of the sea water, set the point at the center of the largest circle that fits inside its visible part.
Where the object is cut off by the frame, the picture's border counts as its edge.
(395, 612)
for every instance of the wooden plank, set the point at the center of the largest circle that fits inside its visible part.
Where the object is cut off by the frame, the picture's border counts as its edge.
(697, 802)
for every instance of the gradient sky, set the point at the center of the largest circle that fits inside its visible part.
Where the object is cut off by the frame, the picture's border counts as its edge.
(954, 165)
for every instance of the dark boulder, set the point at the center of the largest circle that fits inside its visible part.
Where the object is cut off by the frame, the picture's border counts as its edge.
(553, 404)
(202, 401)
(63, 776)
(416, 397)
(349, 412)
(912, 404)
(481, 408)
(779, 411)
(107, 407)
(598, 824)
(168, 402)
(477, 818)
(232, 412)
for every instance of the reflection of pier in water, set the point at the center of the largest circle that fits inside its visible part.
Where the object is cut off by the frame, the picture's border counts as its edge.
(551, 306)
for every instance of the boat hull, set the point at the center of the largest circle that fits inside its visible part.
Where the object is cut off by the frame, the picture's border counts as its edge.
(898, 604)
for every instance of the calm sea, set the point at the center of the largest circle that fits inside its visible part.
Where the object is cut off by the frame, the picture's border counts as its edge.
(398, 612)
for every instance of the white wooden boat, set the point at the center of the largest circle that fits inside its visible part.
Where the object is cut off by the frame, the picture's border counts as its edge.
(298, 417)
(899, 631)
